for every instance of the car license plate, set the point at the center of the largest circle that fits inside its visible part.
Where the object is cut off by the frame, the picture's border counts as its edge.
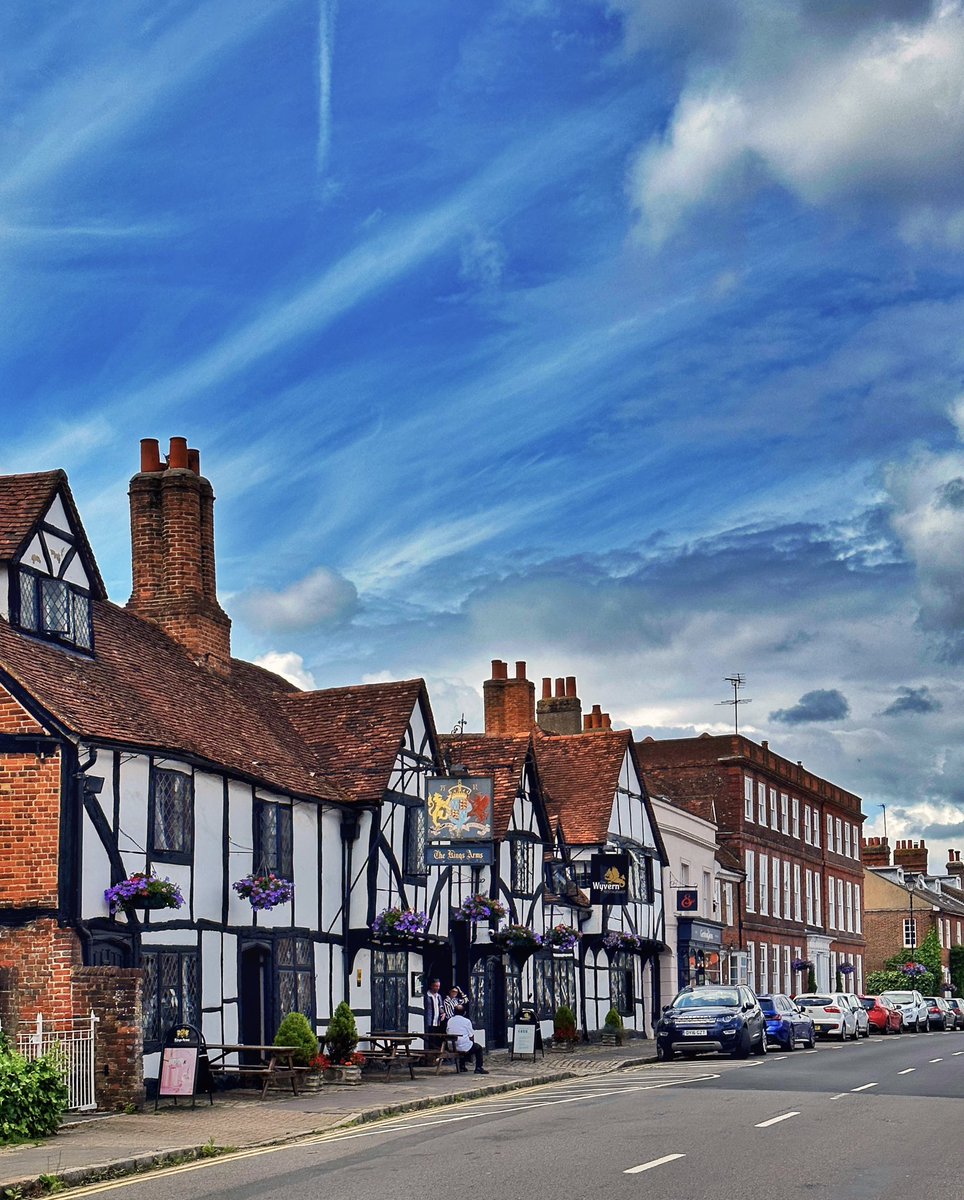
(694, 1033)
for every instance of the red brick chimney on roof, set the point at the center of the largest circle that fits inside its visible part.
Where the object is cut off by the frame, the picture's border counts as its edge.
(172, 544)
(562, 712)
(912, 856)
(955, 866)
(875, 852)
(596, 719)
(510, 704)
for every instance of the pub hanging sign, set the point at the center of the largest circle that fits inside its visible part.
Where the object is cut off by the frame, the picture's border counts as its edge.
(687, 900)
(609, 878)
(458, 820)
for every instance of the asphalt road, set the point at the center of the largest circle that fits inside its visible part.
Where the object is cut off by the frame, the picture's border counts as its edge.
(877, 1120)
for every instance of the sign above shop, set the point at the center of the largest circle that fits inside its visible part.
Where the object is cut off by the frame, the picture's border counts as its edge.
(687, 900)
(459, 809)
(473, 855)
(609, 878)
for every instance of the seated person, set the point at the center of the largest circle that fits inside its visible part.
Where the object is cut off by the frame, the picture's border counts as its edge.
(460, 1025)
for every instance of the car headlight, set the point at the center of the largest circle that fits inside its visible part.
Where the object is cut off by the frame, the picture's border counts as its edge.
(730, 1022)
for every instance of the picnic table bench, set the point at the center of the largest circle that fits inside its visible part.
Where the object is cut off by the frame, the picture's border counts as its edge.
(275, 1064)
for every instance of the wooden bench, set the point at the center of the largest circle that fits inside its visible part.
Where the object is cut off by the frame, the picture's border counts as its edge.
(277, 1064)
(435, 1056)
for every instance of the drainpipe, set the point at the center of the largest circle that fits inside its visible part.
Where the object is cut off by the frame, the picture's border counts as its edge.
(350, 828)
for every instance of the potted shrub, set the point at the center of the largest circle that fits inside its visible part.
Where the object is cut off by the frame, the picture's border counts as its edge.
(564, 1034)
(264, 889)
(344, 1063)
(612, 1033)
(143, 891)
(295, 1030)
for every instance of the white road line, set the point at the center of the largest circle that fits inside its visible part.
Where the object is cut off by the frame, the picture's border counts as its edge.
(907, 1071)
(863, 1087)
(776, 1120)
(657, 1162)
(956, 1053)
(839, 1096)
(933, 1060)
(814, 1052)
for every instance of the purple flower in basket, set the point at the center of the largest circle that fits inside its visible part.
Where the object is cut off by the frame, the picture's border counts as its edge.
(621, 941)
(914, 970)
(479, 908)
(144, 891)
(846, 968)
(561, 937)
(400, 922)
(264, 889)
(801, 964)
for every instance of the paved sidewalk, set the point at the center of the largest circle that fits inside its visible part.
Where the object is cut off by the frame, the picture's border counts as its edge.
(102, 1146)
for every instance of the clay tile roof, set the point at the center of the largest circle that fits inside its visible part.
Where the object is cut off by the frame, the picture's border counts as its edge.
(580, 774)
(23, 501)
(501, 756)
(356, 732)
(143, 689)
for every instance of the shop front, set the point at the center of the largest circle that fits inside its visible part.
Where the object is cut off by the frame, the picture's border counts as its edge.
(698, 951)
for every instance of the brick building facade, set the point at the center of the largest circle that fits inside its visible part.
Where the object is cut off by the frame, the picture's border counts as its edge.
(797, 839)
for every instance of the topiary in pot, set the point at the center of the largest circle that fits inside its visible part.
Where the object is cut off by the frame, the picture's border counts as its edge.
(295, 1030)
(613, 1027)
(564, 1025)
(342, 1037)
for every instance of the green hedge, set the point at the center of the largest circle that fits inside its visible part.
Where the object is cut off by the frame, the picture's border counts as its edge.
(33, 1096)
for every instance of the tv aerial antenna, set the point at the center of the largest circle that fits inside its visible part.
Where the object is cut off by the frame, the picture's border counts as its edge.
(736, 682)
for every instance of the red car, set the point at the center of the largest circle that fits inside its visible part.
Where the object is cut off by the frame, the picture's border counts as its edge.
(883, 1014)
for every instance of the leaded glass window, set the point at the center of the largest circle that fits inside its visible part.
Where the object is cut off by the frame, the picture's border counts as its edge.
(522, 867)
(273, 837)
(172, 990)
(415, 840)
(54, 609)
(390, 990)
(28, 601)
(173, 825)
(621, 984)
(295, 964)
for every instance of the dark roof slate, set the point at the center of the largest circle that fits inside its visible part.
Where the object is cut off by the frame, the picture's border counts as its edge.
(501, 756)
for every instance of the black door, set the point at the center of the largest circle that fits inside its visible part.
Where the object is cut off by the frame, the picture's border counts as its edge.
(495, 995)
(390, 990)
(257, 1018)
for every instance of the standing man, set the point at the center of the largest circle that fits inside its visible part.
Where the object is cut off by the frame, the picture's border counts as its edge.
(433, 1015)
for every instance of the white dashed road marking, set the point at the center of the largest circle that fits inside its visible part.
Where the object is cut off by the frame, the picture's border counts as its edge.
(907, 1071)
(863, 1087)
(776, 1120)
(656, 1162)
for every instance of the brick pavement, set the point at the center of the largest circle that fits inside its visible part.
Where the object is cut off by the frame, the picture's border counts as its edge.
(102, 1145)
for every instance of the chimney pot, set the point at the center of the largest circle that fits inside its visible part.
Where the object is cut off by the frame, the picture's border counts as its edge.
(150, 455)
(546, 689)
(500, 670)
(606, 721)
(560, 688)
(587, 722)
(177, 457)
(194, 461)
(571, 687)
(520, 670)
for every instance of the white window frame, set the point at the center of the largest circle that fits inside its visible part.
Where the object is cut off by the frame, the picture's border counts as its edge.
(795, 816)
(751, 881)
(764, 892)
(858, 922)
(809, 883)
(761, 803)
(751, 965)
(831, 903)
(857, 842)
(787, 910)
(797, 899)
(910, 933)
(807, 833)
(839, 825)
(748, 798)
(774, 815)
(764, 967)
(817, 900)
(841, 911)
(816, 827)
(784, 813)
(850, 907)
(829, 833)
(775, 887)
(846, 837)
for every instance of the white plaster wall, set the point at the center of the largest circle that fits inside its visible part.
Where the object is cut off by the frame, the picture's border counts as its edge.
(134, 788)
(208, 846)
(304, 826)
(240, 849)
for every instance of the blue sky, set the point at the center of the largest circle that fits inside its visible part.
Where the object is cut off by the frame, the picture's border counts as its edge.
(622, 338)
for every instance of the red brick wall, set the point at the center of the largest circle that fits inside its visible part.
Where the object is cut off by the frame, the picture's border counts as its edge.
(114, 995)
(510, 704)
(38, 960)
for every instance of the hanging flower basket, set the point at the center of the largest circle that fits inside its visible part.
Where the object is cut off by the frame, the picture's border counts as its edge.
(561, 937)
(143, 891)
(517, 936)
(479, 908)
(264, 889)
(913, 970)
(404, 924)
(801, 964)
(622, 941)
(846, 969)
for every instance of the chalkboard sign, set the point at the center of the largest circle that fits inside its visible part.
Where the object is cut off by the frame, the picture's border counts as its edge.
(184, 1065)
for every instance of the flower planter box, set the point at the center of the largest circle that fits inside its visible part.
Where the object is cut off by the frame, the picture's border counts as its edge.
(312, 1081)
(343, 1075)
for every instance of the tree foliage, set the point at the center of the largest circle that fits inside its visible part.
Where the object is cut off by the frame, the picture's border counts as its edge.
(295, 1030)
(342, 1037)
(33, 1096)
(956, 955)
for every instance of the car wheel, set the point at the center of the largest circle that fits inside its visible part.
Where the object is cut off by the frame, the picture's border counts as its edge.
(742, 1048)
(791, 1044)
(855, 1036)
(917, 1026)
(867, 1030)
(664, 1053)
(812, 1041)
(761, 1049)
(843, 1033)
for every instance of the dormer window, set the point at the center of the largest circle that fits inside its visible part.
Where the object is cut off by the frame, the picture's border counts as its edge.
(55, 609)
(50, 582)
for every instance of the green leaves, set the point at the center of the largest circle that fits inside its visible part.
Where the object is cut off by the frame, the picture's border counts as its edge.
(33, 1096)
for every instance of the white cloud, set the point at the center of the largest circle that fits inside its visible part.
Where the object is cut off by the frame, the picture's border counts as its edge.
(322, 598)
(289, 666)
(874, 112)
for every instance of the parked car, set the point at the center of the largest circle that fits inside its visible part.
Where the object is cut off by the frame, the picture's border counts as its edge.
(957, 1008)
(883, 1014)
(786, 1023)
(726, 1019)
(832, 1012)
(860, 1013)
(913, 1008)
(939, 1015)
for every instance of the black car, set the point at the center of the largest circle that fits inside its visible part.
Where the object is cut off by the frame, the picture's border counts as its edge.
(725, 1019)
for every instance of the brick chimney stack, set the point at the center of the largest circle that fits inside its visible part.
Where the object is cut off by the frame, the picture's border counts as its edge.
(596, 719)
(875, 851)
(955, 866)
(172, 544)
(510, 704)
(912, 856)
(562, 712)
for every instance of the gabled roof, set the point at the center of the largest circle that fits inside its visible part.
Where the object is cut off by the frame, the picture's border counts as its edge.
(503, 756)
(356, 732)
(143, 689)
(580, 774)
(24, 499)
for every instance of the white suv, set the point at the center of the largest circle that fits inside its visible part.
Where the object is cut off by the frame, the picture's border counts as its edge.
(912, 1005)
